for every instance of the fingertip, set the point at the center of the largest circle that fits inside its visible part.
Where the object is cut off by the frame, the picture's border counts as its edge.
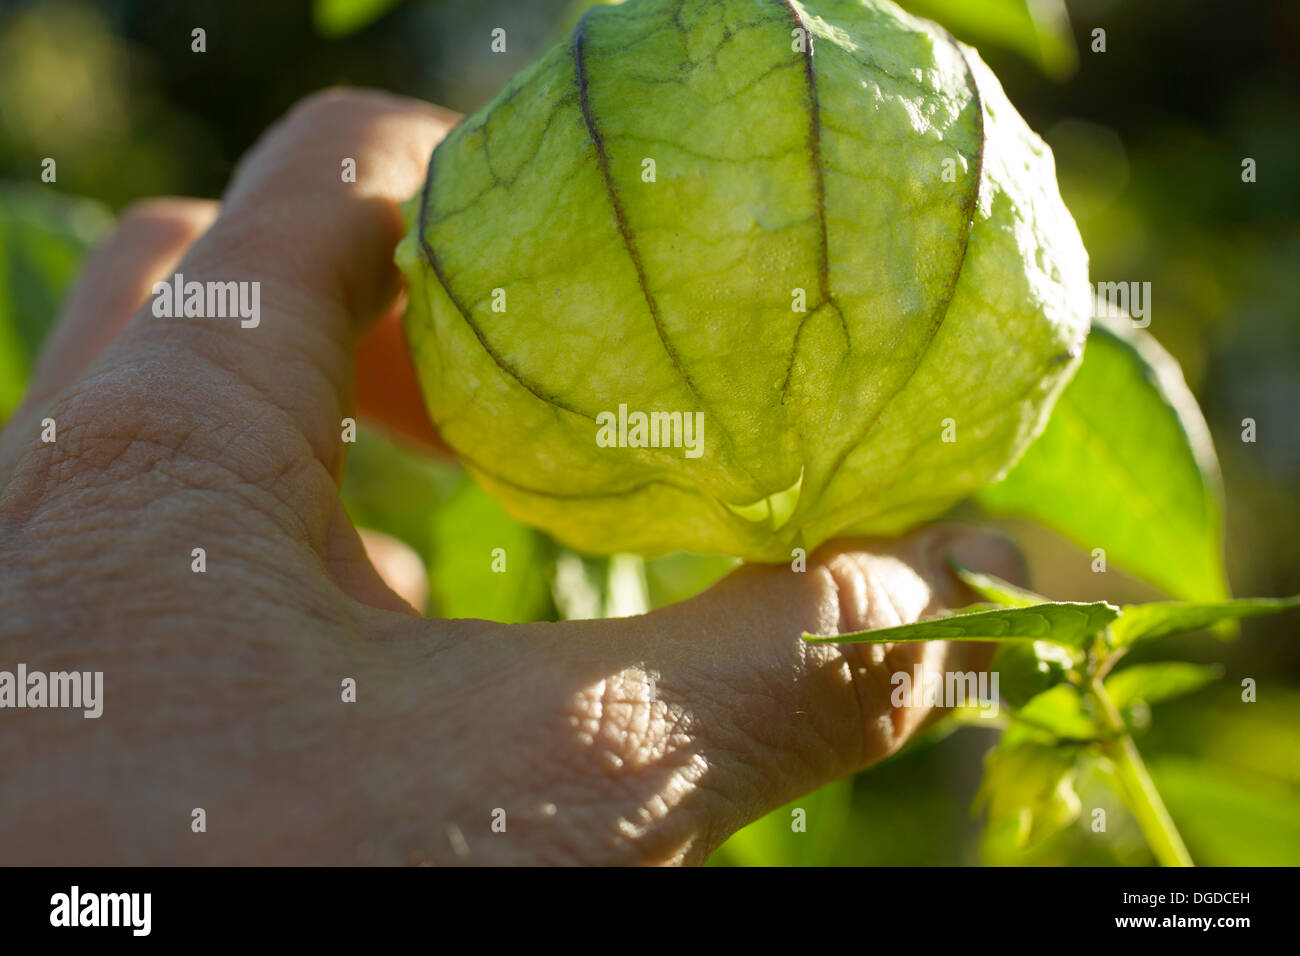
(176, 217)
(150, 238)
(982, 549)
(399, 566)
(387, 137)
(992, 552)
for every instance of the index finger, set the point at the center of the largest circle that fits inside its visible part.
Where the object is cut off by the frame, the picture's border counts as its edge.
(300, 260)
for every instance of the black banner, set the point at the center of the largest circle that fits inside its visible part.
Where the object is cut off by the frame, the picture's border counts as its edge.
(971, 906)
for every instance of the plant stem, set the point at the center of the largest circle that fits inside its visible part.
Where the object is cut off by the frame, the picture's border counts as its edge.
(626, 591)
(1138, 789)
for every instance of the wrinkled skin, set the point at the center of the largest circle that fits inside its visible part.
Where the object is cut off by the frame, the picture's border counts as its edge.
(222, 690)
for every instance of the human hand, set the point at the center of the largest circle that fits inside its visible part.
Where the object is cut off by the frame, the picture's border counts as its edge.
(222, 688)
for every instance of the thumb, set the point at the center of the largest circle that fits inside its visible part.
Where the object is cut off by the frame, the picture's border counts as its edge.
(776, 717)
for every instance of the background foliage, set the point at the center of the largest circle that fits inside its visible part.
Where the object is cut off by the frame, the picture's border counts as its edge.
(1149, 139)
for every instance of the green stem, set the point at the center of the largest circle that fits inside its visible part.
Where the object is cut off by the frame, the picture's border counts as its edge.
(626, 591)
(1138, 789)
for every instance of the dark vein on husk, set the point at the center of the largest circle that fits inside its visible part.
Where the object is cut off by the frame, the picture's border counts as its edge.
(436, 266)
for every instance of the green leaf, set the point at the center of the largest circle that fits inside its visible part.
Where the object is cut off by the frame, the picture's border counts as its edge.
(1067, 624)
(454, 526)
(1024, 669)
(1059, 712)
(1029, 792)
(388, 488)
(1027, 669)
(676, 577)
(994, 589)
(1038, 30)
(339, 18)
(1126, 464)
(1230, 817)
(1149, 683)
(773, 841)
(1145, 622)
(43, 237)
(467, 531)
(1258, 737)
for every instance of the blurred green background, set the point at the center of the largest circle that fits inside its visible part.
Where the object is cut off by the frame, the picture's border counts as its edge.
(1149, 138)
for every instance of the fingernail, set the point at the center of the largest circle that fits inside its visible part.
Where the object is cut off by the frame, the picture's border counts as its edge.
(990, 551)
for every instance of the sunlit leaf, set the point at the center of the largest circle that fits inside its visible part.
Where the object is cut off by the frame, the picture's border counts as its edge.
(1126, 465)
(43, 237)
(774, 840)
(1067, 624)
(994, 589)
(676, 577)
(1145, 622)
(1258, 738)
(1029, 792)
(473, 539)
(1039, 30)
(1150, 683)
(1229, 817)
(1026, 669)
(1058, 711)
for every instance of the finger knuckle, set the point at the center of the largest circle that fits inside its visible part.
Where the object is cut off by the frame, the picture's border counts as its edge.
(331, 109)
(137, 435)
